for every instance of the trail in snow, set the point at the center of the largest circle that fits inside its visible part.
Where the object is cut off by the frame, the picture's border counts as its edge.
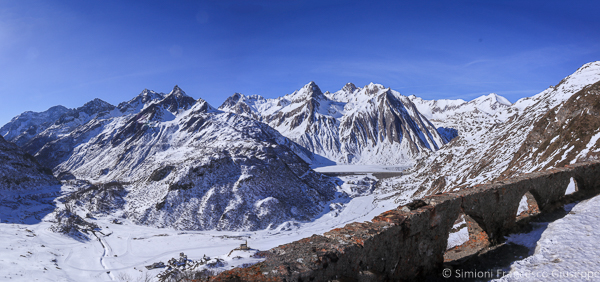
(106, 253)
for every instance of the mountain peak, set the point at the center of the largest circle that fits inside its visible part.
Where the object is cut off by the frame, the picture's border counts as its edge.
(493, 98)
(141, 100)
(96, 105)
(349, 87)
(309, 91)
(312, 86)
(177, 100)
(178, 91)
(232, 100)
(373, 88)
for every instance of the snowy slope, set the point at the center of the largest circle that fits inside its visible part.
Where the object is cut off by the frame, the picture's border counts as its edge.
(28, 124)
(66, 123)
(568, 133)
(465, 117)
(370, 125)
(485, 154)
(567, 249)
(19, 170)
(31, 251)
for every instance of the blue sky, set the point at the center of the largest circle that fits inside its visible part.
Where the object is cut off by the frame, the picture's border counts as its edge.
(69, 52)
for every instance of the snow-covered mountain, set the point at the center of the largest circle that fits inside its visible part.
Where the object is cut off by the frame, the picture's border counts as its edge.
(29, 124)
(142, 100)
(369, 125)
(19, 170)
(566, 134)
(553, 128)
(465, 117)
(184, 164)
(66, 123)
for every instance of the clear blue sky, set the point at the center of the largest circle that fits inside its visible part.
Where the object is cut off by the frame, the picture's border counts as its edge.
(69, 52)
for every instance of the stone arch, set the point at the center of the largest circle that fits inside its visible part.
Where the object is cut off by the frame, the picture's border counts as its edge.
(528, 206)
(466, 238)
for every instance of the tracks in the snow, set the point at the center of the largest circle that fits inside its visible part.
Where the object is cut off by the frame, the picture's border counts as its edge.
(105, 254)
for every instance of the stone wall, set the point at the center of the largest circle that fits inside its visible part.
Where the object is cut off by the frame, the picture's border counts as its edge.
(410, 241)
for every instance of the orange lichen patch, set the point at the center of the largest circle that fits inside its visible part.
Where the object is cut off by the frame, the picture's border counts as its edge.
(477, 241)
(393, 217)
(250, 274)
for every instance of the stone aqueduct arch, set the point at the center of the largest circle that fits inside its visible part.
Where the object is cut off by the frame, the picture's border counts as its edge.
(410, 241)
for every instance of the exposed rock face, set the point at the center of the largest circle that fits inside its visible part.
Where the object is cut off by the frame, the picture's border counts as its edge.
(370, 125)
(19, 170)
(140, 101)
(566, 134)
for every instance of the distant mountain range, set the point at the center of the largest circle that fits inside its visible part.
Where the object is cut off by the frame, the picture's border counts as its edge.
(369, 125)
(246, 165)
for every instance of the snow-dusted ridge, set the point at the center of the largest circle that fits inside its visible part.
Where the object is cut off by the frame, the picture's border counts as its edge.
(369, 125)
(506, 145)
(185, 164)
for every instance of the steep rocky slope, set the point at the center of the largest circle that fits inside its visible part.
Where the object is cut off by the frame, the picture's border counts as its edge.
(19, 170)
(566, 134)
(509, 146)
(370, 125)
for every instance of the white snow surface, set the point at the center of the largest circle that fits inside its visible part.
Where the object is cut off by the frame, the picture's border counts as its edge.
(567, 249)
(523, 205)
(30, 251)
(461, 235)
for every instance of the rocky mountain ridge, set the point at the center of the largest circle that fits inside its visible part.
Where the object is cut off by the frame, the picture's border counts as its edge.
(182, 163)
(535, 132)
(29, 124)
(369, 125)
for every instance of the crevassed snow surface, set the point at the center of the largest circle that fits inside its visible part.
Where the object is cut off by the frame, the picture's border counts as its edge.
(566, 251)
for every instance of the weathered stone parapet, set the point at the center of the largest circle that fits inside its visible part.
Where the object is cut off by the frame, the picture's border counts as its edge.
(410, 241)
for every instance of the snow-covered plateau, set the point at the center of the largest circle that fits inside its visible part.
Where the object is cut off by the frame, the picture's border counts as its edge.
(164, 173)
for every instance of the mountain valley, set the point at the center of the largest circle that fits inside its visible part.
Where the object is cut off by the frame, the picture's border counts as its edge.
(167, 169)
